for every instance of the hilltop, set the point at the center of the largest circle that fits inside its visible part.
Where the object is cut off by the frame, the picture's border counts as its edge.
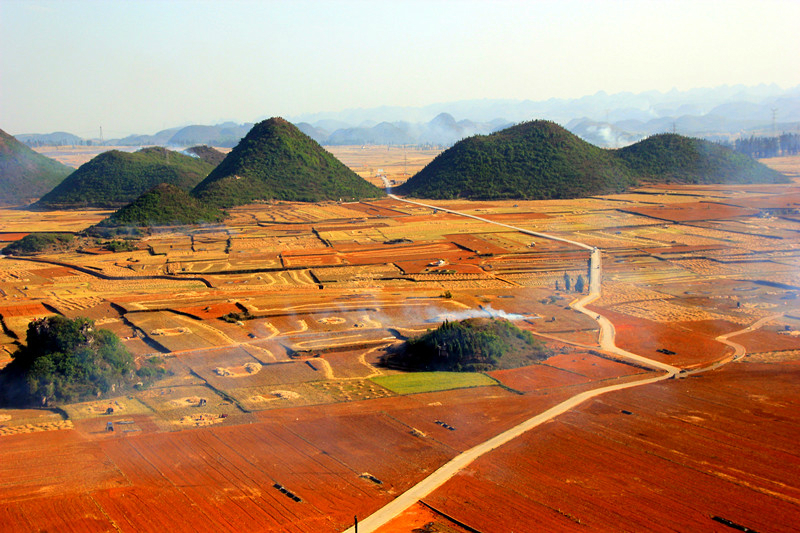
(534, 160)
(24, 174)
(163, 205)
(114, 178)
(674, 158)
(541, 160)
(276, 161)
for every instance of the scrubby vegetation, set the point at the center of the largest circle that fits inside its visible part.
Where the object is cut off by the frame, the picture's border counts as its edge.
(276, 161)
(36, 243)
(114, 178)
(673, 158)
(472, 345)
(24, 174)
(68, 360)
(120, 246)
(541, 160)
(164, 205)
(535, 160)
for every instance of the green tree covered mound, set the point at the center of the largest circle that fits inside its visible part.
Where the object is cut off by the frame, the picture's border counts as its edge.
(36, 243)
(541, 160)
(68, 360)
(24, 174)
(472, 345)
(534, 160)
(163, 205)
(669, 158)
(114, 178)
(276, 161)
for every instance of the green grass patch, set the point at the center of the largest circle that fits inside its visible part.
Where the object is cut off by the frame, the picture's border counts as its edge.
(415, 382)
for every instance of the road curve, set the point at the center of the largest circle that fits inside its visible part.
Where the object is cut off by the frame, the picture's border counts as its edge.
(461, 461)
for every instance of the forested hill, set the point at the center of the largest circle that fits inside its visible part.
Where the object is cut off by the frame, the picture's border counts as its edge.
(276, 161)
(675, 158)
(164, 205)
(541, 160)
(24, 174)
(534, 160)
(114, 178)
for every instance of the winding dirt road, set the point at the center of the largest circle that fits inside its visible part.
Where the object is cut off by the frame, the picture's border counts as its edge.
(461, 461)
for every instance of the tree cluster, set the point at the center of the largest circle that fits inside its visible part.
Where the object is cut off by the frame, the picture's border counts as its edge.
(35, 243)
(761, 147)
(472, 345)
(67, 360)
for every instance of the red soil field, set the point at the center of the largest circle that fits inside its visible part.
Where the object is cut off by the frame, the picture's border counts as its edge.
(646, 337)
(475, 244)
(54, 272)
(52, 463)
(52, 513)
(765, 340)
(536, 377)
(692, 212)
(11, 237)
(426, 251)
(592, 366)
(27, 309)
(712, 328)
(205, 312)
(417, 518)
(686, 453)
(782, 201)
(476, 413)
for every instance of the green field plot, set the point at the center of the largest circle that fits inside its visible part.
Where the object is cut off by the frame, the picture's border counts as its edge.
(415, 382)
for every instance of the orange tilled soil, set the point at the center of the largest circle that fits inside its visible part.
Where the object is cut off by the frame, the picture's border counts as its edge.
(646, 337)
(340, 460)
(664, 457)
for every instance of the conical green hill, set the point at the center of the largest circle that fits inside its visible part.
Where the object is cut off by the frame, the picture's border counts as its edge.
(164, 205)
(114, 178)
(533, 160)
(276, 161)
(24, 174)
(541, 160)
(674, 158)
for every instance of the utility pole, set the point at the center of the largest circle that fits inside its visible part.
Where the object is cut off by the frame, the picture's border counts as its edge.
(774, 115)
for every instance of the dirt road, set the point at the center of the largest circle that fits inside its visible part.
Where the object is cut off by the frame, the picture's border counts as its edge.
(451, 468)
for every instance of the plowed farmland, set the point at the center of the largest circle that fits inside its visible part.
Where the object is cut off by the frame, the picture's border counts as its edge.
(658, 458)
(272, 415)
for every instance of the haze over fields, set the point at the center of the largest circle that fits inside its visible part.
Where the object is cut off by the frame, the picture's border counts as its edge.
(241, 62)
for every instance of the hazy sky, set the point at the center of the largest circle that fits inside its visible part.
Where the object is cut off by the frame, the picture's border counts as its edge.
(142, 66)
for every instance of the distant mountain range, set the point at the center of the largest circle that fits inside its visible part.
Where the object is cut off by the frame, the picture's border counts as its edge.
(607, 120)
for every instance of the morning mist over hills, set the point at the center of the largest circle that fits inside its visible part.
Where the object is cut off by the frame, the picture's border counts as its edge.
(606, 120)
